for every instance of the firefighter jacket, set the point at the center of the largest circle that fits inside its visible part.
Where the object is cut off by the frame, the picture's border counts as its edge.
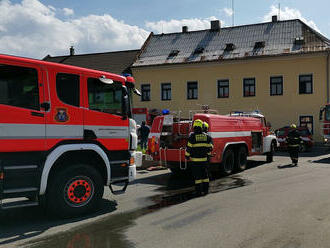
(199, 147)
(293, 138)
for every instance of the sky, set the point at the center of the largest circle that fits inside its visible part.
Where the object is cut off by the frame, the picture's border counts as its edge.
(36, 28)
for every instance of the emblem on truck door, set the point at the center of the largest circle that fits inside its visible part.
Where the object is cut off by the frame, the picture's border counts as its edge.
(61, 115)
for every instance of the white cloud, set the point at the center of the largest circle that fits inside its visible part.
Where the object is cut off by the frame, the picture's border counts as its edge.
(289, 14)
(68, 11)
(228, 11)
(32, 29)
(176, 25)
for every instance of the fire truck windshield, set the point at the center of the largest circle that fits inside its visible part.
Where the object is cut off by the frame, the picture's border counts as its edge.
(327, 113)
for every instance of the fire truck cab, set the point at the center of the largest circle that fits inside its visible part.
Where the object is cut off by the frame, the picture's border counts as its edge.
(65, 133)
(235, 137)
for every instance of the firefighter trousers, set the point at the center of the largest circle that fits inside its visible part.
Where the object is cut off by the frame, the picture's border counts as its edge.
(201, 177)
(294, 153)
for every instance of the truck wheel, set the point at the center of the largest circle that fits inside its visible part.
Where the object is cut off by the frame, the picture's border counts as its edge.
(270, 155)
(241, 159)
(228, 163)
(75, 190)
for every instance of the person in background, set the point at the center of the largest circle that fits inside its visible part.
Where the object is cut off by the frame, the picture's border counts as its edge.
(144, 132)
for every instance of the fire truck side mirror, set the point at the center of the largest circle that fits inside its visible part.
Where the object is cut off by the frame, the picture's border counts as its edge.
(321, 113)
(125, 104)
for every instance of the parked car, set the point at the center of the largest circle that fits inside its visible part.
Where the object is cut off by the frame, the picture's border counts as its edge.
(307, 138)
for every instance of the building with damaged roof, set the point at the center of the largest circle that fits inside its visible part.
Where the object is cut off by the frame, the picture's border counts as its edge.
(280, 68)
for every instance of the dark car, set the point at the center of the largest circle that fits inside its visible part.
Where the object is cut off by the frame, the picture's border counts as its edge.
(306, 136)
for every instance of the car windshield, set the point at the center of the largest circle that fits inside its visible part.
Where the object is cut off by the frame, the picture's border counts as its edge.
(304, 132)
(281, 133)
(327, 113)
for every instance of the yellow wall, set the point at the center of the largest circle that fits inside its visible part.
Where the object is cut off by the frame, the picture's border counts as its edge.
(279, 110)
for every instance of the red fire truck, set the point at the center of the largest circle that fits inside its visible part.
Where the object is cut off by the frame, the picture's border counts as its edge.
(235, 137)
(65, 132)
(325, 123)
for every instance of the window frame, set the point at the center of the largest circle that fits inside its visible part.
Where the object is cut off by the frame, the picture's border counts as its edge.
(312, 122)
(222, 87)
(142, 91)
(305, 82)
(276, 83)
(168, 96)
(244, 85)
(189, 83)
(39, 85)
(79, 88)
(105, 112)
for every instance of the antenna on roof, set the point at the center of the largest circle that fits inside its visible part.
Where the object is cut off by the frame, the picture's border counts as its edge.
(279, 11)
(233, 15)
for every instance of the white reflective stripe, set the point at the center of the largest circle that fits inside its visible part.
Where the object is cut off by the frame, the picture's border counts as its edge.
(64, 131)
(229, 134)
(54, 155)
(107, 132)
(157, 135)
(19, 131)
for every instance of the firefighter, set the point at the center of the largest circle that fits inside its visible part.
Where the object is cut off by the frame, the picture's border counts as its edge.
(205, 127)
(293, 141)
(198, 151)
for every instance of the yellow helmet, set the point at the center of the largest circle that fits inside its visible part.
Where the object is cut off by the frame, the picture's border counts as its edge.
(198, 123)
(205, 125)
(293, 125)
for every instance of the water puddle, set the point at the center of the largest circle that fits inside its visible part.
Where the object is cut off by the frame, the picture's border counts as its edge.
(110, 232)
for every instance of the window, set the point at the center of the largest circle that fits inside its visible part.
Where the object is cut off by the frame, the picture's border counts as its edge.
(223, 88)
(19, 87)
(249, 87)
(145, 92)
(166, 91)
(276, 86)
(306, 84)
(67, 88)
(192, 90)
(105, 98)
(307, 121)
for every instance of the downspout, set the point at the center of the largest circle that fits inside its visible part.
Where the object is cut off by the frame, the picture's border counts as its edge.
(328, 55)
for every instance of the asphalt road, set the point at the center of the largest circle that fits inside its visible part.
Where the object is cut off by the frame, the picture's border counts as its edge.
(268, 205)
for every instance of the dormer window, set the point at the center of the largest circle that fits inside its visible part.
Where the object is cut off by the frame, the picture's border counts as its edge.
(199, 50)
(172, 54)
(299, 41)
(229, 47)
(259, 44)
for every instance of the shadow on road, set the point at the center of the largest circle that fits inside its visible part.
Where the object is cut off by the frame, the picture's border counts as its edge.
(23, 223)
(287, 166)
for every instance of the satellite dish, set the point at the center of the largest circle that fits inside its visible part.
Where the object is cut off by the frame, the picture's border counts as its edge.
(105, 80)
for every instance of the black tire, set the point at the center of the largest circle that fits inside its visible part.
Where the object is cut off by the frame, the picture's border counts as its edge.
(270, 155)
(228, 163)
(75, 190)
(241, 159)
(303, 148)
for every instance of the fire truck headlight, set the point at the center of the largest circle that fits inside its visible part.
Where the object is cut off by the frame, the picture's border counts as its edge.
(325, 140)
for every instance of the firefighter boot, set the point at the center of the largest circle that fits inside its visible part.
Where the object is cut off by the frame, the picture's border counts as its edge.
(205, 188)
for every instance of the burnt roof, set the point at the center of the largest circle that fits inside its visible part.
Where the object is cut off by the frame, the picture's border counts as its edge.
(115, 62)
(263, 39)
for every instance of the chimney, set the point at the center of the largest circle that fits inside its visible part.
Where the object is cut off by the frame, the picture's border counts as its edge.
(71, 51)
(185, 29)
(215, 25)
(274, 18)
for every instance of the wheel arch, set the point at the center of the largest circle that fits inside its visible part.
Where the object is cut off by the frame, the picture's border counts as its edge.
(234, 145)
(81, 153)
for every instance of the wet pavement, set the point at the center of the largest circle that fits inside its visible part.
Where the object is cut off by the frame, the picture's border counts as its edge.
(110, 231)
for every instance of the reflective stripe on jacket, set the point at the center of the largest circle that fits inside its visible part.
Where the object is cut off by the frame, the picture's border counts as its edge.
(199, 147)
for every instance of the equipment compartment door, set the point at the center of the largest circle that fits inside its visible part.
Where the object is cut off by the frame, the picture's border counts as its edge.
(256, 141)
